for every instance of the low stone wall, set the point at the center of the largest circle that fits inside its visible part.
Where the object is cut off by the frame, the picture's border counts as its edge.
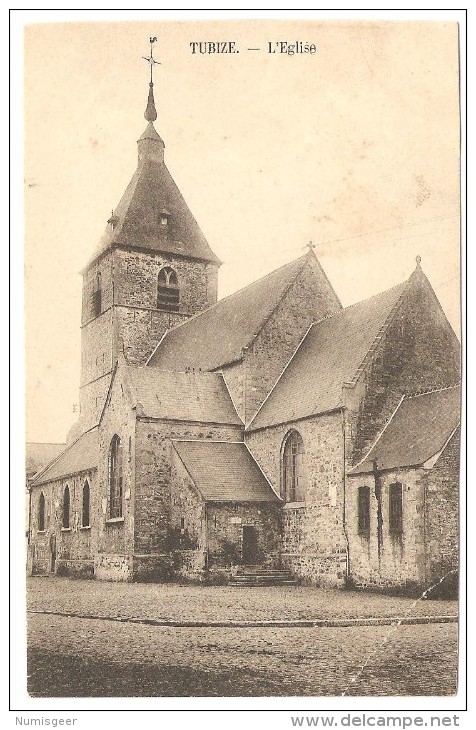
(157, 568)
(324, 569)
(75, 568)
(113, 567)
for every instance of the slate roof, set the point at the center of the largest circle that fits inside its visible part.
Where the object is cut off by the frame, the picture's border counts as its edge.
(38, 455)
(218, 335)
(200, 397)
(82, 455)
(418, 430)
(225, 472)
(330, 354)
(151, 191)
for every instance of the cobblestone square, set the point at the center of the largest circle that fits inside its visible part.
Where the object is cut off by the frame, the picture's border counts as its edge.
(77, 656)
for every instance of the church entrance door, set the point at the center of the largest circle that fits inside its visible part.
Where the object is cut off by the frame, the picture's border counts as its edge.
(250, 545)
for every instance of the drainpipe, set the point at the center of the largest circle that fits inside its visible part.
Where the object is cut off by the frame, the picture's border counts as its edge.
(425, 547)
(205, 545)
(378, 495)
(344, 516)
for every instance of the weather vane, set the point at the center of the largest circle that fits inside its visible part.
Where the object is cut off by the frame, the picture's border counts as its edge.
(150, 59)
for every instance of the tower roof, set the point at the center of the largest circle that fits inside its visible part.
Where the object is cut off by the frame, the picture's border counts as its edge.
(152, 214)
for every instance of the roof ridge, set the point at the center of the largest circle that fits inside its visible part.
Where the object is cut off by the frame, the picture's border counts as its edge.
(57, 458)
(46, 443)
(205, 441)
(418, 393)
(191, 371)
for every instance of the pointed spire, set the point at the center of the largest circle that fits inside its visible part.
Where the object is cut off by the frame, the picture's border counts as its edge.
(151, 146)
(151, 112)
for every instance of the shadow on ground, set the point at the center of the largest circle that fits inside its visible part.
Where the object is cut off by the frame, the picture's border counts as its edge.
(55, 675)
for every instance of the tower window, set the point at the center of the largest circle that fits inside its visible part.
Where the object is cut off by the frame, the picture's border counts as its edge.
(97, 296)
(293, 469)
(115, 477)
(168, 295)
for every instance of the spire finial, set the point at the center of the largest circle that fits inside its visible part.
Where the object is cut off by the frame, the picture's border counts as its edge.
(418, 260)
(311, 246)
(151, 112)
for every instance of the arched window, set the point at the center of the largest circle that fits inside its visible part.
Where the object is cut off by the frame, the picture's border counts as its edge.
(66, 507)
(85, 515)
(115, 478)
(97, 296)
(293, 487)
(41, 513)
(168, 295)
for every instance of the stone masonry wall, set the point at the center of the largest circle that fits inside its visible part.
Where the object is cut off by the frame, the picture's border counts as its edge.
(136, 275)
(153, 476)
(129, 319)
(225, 522)
(308, 299)
(419, 351)
(105, 268)
(400, 563)
(187, 536)
(115, 543)
(442, 511)
(314, 545)
(141, 330)
(74, 545)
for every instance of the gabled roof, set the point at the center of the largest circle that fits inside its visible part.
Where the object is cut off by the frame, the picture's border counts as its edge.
(224, 472)
(180, 396)
(419, 429)
(38, 455)
(82, 455)
(330, 355)
(218, 335)
(151, 192)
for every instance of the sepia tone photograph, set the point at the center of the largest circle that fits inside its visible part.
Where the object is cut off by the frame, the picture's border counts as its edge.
(243, 358)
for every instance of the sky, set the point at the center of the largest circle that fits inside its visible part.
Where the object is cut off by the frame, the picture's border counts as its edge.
(355, 148)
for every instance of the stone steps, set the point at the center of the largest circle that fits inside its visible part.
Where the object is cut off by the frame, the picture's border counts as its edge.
(256, 575)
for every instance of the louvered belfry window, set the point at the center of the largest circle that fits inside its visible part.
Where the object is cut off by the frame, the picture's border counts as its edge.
(168, 294)
(115, 478)
(395, 508)
(293, 469)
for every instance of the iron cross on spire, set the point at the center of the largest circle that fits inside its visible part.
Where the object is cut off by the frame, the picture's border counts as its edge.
(150, 59)
(311, 246)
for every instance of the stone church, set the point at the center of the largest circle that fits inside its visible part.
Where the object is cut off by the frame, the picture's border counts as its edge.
(271, 435)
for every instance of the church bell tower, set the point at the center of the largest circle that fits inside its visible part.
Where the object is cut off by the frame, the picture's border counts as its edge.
(152, 269)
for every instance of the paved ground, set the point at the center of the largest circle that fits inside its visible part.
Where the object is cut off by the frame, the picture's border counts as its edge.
(98, 657)
(219, 603)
